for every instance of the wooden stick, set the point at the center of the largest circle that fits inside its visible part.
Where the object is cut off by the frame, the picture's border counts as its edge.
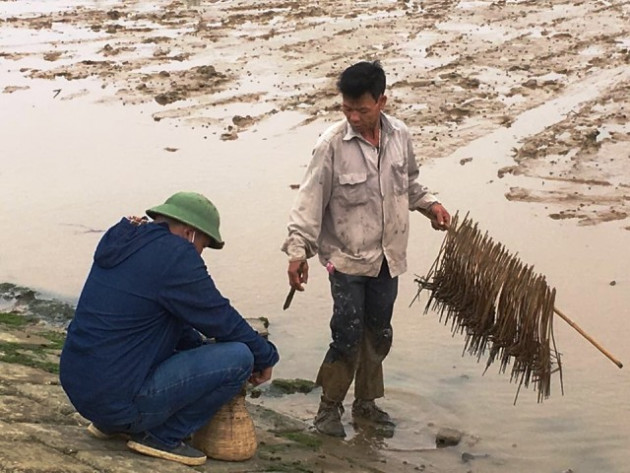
(588, 337)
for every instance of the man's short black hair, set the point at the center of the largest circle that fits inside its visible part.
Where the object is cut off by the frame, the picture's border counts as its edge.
(362, 77)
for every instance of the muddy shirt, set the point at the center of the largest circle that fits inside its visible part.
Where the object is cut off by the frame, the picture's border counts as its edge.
(353, 205)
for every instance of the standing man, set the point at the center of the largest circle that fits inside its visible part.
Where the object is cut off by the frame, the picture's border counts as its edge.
(352, 210)
(154, 349)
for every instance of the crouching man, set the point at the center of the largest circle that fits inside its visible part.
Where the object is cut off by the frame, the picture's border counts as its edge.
(154, 349)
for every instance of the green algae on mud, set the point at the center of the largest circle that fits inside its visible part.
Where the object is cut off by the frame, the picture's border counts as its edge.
(12, 319)
(31, 328)
(24, 342)
(280, 386)
(286, 457)
(28, 355)
(305, 439)
(23, 301)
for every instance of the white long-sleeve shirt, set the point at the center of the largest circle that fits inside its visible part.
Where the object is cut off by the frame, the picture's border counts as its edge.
(352, 208)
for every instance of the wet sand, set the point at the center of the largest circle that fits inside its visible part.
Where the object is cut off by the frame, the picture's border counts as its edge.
(519, 115)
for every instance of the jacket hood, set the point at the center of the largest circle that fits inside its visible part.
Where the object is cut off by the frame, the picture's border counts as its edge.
(124, 239)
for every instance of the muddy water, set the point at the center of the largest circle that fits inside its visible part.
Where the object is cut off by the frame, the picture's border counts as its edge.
(70, 168)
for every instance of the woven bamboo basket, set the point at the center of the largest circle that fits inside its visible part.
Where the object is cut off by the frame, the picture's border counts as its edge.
(230, 434)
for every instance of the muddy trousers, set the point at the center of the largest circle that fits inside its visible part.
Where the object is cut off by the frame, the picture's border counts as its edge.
(361, 335)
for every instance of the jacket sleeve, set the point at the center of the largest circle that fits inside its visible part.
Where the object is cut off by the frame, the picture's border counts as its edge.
(305, 218)
(419, 196)
(190, 294)
(190, 338)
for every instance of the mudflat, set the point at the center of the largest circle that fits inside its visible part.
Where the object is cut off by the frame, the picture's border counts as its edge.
(456, 71)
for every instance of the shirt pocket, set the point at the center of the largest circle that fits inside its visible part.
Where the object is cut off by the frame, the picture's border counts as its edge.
(352, 189)
(400, 178)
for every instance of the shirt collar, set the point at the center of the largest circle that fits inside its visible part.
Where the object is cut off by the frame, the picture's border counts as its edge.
(386, 127)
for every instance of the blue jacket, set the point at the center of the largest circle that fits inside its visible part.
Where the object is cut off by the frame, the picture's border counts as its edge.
(147, 292)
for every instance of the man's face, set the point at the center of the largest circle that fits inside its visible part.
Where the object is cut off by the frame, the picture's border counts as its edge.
(363, 113)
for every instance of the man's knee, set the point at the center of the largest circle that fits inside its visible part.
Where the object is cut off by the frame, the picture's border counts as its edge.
(235, 359)
(381, 340)
(242, 355)
(347, 342)
(235, 354)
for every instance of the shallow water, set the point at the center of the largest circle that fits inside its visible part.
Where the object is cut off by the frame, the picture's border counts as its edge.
(72, 166)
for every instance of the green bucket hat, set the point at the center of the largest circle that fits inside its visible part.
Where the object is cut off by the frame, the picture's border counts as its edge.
(195, 210)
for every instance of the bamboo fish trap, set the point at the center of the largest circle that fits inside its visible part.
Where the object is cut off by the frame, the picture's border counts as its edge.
(503, 308)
